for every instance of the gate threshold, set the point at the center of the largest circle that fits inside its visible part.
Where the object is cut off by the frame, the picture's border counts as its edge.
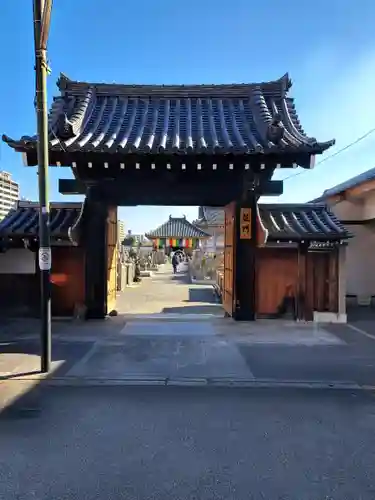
(171, 317)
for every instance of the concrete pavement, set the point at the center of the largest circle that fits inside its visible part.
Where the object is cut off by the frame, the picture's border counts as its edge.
(169, 294)
(147, 347)
(176, 351)
(170, 443)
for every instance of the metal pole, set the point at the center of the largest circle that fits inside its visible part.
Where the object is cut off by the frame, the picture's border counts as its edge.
(44, 233)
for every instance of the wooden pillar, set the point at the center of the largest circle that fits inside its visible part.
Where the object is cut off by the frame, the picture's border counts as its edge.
(342, 281)
(245, 258)
(95, 228)
(304, 298)
(333, 275)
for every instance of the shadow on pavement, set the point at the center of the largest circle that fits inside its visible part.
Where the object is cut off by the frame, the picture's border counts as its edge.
(19, 374)
(20, 390)
(182, 278)
(215, 309)
(358, 313)
(25, 355)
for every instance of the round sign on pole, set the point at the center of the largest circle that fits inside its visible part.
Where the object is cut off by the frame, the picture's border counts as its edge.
(45, 258)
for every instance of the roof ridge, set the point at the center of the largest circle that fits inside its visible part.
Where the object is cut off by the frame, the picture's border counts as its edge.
(307, 205)
(53, 204)
(282, 85)
(174, 224)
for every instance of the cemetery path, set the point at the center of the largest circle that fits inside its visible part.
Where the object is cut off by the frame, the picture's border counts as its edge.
(168, 294)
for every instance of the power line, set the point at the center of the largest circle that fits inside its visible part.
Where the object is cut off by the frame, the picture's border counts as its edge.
(348, 146)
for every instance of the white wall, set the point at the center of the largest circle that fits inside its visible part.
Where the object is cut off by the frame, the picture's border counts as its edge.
(347, 210)
(360, 254)
(369, 205)
(360, 261)
(359, 208)
(17, 261)
(220, 242)
(216, 242)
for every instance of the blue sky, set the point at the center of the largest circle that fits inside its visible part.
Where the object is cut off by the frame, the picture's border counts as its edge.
(327, 46)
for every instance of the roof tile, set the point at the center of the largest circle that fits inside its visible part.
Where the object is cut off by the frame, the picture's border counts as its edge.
(177, 228)
(237, 118)
(292, 222)
(23, 221)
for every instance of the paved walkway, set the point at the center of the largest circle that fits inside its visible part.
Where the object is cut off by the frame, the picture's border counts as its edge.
(172, 332)
(167, 293)
(194, 352)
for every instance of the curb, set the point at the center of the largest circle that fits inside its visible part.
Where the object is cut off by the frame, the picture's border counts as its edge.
(193, 382)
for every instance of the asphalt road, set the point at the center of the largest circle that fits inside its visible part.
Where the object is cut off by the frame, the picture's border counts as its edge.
(183, 443)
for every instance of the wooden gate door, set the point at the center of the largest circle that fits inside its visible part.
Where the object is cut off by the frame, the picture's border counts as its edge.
(277, 272)
(322, 276)
(229, 251)
(67, 280)
(111, 259)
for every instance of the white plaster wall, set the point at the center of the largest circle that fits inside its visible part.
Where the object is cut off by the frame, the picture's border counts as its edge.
(359, 208)
(17, 261)
(360, 261)
(360, 253)
(347, 210)
(369, 205)
(209, 245)
(216, 242)
(220, 242)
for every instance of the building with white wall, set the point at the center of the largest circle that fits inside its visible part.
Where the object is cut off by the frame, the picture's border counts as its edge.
(120, 231)
(139, 238)
(9, 193)
(212, 221)
(353, 203)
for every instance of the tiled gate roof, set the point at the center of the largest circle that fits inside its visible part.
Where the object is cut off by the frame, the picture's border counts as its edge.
(234, 118)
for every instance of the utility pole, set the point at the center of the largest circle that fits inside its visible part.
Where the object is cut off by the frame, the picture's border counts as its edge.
(42, 13)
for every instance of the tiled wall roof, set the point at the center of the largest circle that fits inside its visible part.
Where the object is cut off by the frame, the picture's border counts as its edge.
(23, 221)
(292, 221)
(301, 222)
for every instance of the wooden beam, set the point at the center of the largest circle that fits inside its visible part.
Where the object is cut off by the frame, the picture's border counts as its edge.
(256, 161)
(165, 191)
(170, 189)
(333, 288)
(271, 188)
(71, 186)
(304, 308)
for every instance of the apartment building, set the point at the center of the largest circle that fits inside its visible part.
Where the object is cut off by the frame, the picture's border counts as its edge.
(120, 231)
(9, 193)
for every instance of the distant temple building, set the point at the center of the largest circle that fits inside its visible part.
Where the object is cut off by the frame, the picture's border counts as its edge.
(177, 234)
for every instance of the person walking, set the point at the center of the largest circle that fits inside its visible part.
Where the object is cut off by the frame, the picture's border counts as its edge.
(174, 263)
